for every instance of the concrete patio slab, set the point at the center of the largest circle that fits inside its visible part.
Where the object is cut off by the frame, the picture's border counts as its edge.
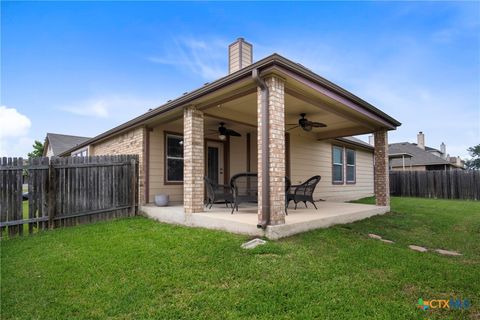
(245, 220)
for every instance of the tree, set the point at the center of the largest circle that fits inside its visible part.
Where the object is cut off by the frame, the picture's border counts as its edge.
(37, 150)
(474, 162)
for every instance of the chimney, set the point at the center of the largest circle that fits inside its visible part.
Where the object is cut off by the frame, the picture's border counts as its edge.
(421, 140)
(240, 55)
(371, 141)
(443, 150)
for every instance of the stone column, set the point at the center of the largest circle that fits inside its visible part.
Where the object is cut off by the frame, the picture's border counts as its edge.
(382, 181)
(276, 167)
(193, 160)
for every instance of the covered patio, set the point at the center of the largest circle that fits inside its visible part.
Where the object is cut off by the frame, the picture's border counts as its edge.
(263, 104)
(245, 220)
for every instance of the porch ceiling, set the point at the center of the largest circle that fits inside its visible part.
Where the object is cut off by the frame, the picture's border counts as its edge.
(243, 110)
(237, 103)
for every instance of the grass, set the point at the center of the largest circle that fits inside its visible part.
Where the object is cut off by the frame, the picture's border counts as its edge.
(139, 269)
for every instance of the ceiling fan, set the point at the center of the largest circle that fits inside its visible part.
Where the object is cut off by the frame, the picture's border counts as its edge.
(306, 124)
(224, 132)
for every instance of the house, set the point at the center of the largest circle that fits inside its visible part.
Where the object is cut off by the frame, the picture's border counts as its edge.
(419, 157)
(266, 104)
(56, 144)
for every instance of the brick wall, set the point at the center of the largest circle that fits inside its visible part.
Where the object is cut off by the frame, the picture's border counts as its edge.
(130, 142)
(193, 166)
(277, 150)
(381, 183)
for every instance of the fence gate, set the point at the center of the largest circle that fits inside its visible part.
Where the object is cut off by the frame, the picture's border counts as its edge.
(66, 191)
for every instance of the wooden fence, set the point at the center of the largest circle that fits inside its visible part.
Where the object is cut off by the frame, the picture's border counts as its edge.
(452, 184)
(66, 191)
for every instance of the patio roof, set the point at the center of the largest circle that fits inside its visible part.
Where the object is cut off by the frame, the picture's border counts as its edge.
(274, 61)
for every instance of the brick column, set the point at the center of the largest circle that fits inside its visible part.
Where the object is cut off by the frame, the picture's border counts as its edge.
(193, 160)
(276, 140)
(382, 181)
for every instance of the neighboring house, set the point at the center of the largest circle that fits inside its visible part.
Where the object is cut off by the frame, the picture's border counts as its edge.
(56, 144)
(419, 157)
(180, 142)
(457, 162)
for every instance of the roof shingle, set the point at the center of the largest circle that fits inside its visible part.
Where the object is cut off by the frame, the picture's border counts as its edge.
(419, 156)
(62, 142)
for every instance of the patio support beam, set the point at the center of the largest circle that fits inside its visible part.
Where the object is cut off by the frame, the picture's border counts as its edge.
(271, 150)
(193, 160)
(382, 181)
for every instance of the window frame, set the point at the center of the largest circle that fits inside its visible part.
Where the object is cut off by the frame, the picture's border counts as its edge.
(78, 153)
(166, 135)
(342, 181)
(354, 165)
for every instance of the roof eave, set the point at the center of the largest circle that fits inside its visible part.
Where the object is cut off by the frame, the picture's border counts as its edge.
(272, 60)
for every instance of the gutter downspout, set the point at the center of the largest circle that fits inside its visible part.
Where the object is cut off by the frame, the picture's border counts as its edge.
(265, 150)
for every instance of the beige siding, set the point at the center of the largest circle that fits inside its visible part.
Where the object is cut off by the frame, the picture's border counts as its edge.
(238, 154)
(308, 157)
(157, 165)
(239, 57)
(254, 152)
(246, 55)
(130, 142)
(49, 152)
(234, 57)
(311, 157)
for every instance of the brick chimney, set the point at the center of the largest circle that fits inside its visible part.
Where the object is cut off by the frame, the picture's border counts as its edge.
(443, 150)
(240, 55)
(421, 140)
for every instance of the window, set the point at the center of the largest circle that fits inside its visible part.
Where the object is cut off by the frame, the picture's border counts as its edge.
(337, 165)
(80, 153)
(350, 155)
(173, 158)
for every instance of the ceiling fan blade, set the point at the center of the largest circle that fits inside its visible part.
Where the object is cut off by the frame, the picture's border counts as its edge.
(317, 124)
(233, 133)
(293, 127)
(307, 127)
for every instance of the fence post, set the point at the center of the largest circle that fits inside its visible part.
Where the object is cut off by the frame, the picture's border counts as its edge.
(51, 194)
(134, 186)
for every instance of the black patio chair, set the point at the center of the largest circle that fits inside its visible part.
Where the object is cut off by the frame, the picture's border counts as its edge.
(245, 188)
(304, 192)
(288, 184)
(218, 193)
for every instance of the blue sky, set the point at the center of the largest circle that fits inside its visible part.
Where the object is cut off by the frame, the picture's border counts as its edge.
(83, 67)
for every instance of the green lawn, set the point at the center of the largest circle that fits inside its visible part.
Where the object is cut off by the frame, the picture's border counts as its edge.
(140, 269)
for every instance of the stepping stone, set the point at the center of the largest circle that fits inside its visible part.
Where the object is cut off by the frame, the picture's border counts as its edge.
(386, 241)
(374, 236)
(253, 243)
(418, 248)
(448, 253)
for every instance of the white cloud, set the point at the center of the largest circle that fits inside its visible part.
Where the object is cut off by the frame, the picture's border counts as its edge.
(14, 129)
(111, 106)
(204, 58)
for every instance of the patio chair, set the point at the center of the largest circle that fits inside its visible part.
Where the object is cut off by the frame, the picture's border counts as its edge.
(218, 193)
(304, 192)
(288, 184)
(245, 188)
